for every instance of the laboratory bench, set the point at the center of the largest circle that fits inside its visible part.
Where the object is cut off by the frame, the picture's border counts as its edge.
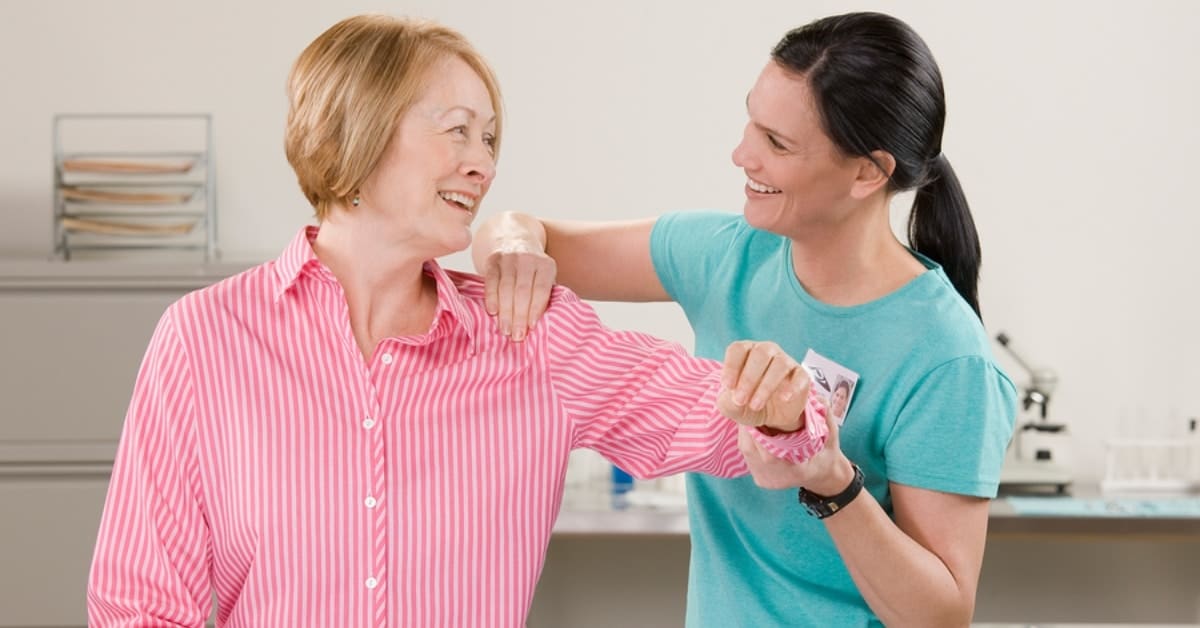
(1080, 560)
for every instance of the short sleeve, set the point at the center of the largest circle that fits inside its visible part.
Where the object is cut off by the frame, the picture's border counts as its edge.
(687, 247)
(953, 430)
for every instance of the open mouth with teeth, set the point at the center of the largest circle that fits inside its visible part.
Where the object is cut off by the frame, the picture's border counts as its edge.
(461, 201)
(761, 188)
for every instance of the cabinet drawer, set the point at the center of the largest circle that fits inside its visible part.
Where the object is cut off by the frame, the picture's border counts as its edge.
(47, 535)
(69, 363)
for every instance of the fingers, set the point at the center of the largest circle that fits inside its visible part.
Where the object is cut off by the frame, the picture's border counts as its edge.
(531, 292)
(508, 283)
(751, 450)
(539, 297)
(491, 285)
(747, 446)
(517, 289)
(757, 370)
(735, 358)
(767, 470)
(831, 441)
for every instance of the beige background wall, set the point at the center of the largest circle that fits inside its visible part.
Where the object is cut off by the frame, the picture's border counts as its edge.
(1072, 125)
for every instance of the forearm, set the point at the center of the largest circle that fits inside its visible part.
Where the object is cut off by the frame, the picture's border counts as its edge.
(903, 582)
(604, 261)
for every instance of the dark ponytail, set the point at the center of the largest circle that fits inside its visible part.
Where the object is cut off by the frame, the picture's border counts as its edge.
(941, 228)
(877, 87)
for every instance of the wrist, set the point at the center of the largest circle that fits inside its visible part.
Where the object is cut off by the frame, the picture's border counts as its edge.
(522, 233)
(824, 505)
(785, 428)
(840, 477)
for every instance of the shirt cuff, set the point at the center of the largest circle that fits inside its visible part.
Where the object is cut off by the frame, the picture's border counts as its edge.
(803, 444)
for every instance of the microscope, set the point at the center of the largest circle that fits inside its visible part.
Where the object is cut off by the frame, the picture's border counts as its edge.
(1034, 458)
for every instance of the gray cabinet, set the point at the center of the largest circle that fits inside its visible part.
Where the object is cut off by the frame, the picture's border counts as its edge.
(72, 338)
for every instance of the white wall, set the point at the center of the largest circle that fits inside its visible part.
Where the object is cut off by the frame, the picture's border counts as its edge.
(1072, 126)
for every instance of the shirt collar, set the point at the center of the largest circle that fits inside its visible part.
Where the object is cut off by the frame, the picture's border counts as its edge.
(299, 259)
(296, 257)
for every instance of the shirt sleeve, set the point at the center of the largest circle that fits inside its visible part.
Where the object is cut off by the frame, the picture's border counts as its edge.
(953, 430)
(152, 557)
(687, 248)
(645, 404)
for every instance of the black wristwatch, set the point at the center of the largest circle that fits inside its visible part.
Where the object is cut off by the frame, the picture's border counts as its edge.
(821, 507)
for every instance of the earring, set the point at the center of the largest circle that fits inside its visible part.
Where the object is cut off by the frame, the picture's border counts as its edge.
(355, 201)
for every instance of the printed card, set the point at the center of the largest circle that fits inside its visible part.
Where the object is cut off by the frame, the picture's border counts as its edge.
(832, 381)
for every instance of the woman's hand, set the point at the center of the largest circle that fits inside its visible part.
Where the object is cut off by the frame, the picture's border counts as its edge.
(828, 472)
(518, 278)
(763, 386)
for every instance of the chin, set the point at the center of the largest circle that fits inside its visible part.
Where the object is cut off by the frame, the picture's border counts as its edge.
(757, 216)
(457, 244)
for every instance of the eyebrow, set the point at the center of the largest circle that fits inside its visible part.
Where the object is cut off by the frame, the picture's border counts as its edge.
(469, 111)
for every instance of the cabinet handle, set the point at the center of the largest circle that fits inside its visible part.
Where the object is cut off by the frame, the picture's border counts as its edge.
(26, 470)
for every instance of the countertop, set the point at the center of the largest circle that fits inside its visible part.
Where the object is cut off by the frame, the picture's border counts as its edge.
(31, 274)
(1085, 513)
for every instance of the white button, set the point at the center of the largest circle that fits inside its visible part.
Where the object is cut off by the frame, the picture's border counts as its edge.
(368, 423)
(370, 502)
(372, 583)
(387, 358)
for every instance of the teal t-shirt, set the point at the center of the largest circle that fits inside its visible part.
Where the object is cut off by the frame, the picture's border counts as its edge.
(931, 410)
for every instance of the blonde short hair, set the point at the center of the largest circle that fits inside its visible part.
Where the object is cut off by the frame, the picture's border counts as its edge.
(349, 89)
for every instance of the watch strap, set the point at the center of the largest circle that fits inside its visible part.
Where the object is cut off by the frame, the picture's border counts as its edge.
(821, 506)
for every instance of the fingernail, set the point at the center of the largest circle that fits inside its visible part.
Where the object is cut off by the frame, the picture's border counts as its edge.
(756, 403)
(519, 336)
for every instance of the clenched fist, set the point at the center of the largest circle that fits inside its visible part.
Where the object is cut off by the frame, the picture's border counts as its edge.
(763, 386)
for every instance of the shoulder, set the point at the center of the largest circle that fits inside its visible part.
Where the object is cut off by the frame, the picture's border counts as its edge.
(931, 317)
(565, 313)
(932, 326)
(251, 288)
(703, 224)
(471, 287)
(956, 345)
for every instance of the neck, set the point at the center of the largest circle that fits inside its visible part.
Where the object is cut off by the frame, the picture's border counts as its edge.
(386, 290)
(853, 261)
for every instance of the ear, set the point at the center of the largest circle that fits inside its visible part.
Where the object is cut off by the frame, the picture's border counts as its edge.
(873, 173)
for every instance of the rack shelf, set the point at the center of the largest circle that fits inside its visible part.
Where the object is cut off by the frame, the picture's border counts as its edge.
(134, 182)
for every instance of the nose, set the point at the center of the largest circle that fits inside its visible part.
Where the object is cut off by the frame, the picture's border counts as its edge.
(478, 164)
(741, 152)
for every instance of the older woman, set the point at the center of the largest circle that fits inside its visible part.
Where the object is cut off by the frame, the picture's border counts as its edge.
(341, 437)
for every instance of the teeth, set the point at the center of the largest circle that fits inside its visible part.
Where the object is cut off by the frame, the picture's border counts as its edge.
(761, 187)
(461, 199)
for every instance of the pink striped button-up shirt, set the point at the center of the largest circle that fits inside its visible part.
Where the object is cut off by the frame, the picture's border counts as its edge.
(262, 457)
